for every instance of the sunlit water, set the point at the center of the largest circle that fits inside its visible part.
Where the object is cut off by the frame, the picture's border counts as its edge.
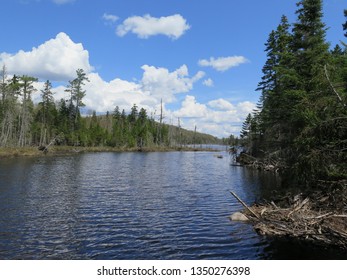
(172, 205)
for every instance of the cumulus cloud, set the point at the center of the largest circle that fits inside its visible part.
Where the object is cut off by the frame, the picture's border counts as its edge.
(208, 82)
(218, 117)
(105, 96)
(109, 18)
(162, 84)
(172, 26)
(56, 60)
(221, 104)
(223, 63)
(191, 109)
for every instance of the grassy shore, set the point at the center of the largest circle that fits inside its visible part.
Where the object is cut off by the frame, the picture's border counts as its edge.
(69, 150)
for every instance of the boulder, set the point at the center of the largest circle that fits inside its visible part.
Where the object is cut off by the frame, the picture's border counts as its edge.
(238, 217)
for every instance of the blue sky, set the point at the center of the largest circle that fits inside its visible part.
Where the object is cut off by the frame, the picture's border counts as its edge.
(203, 58)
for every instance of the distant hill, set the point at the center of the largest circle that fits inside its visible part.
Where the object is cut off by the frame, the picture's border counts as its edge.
(181, 136)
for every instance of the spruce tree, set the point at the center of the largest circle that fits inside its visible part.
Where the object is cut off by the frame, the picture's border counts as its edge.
(278, 89)
(46, 113)
(309, 44)
(26, 115)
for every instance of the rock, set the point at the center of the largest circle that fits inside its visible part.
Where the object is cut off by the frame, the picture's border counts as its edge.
(239, 217)
(269, 167)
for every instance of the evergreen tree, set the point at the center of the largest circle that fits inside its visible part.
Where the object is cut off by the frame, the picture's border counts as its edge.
(95, 132)
(309, 44)
(278, 90)
(46, 113)
(26, 115)
(246, 126)
(75, 88)
(133, 114)
(302, 117)
(9, 108)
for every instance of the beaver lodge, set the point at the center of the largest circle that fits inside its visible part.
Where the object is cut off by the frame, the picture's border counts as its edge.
(320, 217)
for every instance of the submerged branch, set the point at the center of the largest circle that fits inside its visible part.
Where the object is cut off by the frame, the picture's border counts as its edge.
(304, 219)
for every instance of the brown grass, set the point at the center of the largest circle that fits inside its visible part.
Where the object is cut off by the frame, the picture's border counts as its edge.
(8, 152)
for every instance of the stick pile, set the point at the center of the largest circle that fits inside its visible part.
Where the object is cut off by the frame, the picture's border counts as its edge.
(303, 219)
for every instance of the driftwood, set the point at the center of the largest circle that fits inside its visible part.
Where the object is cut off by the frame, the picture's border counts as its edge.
(303, 219)
(245, 205)
(266, 165)
(53, 141)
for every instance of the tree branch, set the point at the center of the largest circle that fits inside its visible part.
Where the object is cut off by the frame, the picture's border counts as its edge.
(332, 87)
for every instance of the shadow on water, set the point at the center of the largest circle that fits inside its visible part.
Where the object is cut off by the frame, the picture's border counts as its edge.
(284, 249)
(267, 186)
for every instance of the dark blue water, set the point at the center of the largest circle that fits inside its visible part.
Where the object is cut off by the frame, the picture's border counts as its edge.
(129, 206)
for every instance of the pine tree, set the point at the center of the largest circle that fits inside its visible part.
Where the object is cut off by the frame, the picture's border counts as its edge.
(75, 88)
(26, 115)
(8, 107)
(46, 113)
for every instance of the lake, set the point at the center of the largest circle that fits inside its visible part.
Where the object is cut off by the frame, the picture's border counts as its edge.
(168, 205)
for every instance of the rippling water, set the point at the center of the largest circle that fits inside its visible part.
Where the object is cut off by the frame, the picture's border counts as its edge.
(171, 205)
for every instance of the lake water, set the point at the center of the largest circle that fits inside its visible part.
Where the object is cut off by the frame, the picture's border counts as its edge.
(172, 205)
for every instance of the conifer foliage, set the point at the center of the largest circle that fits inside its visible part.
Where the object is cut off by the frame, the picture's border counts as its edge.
(23, 123)
(302, 121)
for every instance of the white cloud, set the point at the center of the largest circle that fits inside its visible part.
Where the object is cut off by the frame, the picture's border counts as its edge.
(223, 63)
(172, 26)
(245, 107)
(104, 96)
(191, 109)
(60, 2)
(109, 18)
(208, 82)
(221, 104)
(162, 84)
(219, 117)
(56, 60)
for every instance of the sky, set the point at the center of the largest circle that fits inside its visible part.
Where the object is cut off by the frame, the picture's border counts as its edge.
(201, 58)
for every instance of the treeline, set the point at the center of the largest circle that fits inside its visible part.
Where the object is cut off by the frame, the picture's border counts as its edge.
(300, 124)
(23, 123)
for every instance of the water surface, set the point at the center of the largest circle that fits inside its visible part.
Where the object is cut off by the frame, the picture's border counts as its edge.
(172, 205)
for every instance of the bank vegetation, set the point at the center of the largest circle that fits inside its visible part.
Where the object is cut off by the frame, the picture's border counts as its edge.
(51, 122)
(300, 131)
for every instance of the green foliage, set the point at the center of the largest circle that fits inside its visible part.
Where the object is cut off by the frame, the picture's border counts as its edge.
(303, 115)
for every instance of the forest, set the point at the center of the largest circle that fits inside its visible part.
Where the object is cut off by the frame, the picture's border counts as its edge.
(24, 123)
(300, 124)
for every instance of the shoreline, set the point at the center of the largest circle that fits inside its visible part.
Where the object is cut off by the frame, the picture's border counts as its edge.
(12, 152)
